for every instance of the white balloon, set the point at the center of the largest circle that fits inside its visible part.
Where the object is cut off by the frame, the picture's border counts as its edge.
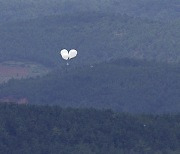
(64, 51)
(68, 55)
(65, 54)
(72, 53)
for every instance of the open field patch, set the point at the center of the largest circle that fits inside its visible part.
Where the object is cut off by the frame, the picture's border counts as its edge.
(18, 70)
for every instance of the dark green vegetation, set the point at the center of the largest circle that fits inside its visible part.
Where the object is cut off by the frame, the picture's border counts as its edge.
(44, 130)
(122, 85)
(12, 10)
(102, 31)
(96, 36)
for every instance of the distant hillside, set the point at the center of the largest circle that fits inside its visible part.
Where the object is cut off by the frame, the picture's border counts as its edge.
(122, 85)
(96, 36)
(18, 70)
(12, 10)
(43, 129)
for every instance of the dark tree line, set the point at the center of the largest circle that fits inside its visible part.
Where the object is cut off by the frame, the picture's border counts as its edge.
(45, 129)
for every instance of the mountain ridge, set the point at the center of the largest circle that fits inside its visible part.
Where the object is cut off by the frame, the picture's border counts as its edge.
(154, 9)
(101, 38)
(124, 85)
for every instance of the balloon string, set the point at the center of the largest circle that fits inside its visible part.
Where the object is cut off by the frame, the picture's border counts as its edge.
(66, 68)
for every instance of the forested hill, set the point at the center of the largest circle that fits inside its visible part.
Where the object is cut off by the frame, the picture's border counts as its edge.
(122, 85)
(96, 36)
(12, 10)
(43, 129)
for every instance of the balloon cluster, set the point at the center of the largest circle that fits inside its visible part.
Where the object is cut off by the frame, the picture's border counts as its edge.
(68, 55)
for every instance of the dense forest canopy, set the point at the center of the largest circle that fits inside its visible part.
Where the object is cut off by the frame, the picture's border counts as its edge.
(44, 129)
(123, 85)
(96, 36)
(128, 66)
